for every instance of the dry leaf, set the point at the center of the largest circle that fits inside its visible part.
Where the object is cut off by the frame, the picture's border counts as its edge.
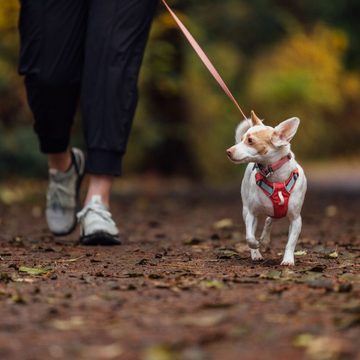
(212, 284)
(159, 352)
(333, 255)
(331, 211)
(223, 224)
(34, 271)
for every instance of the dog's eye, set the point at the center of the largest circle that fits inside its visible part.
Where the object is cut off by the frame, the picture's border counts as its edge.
(250, 141)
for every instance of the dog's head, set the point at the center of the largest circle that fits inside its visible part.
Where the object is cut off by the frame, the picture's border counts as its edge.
(256, 142)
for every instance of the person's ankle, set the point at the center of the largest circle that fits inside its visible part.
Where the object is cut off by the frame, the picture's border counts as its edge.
(99, 185)
(105, 199)
(60, 161)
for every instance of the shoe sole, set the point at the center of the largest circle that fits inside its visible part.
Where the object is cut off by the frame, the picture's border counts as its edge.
(78, 186)
(101, 239)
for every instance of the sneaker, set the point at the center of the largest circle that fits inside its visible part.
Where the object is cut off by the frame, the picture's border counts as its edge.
(63, 195)
(96, 225)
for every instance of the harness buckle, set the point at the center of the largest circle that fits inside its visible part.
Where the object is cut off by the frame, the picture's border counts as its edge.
(268, 171)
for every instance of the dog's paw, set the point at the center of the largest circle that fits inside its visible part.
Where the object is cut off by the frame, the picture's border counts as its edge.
(253, 244)
(287, 262)
(256, 255)
(288, 259)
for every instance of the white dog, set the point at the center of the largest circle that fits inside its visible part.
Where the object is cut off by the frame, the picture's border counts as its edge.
(274, 183)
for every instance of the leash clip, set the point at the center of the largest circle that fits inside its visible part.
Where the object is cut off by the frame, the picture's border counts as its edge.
(268, 171)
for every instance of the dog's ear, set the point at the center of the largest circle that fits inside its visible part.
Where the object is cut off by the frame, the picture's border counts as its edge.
(285, 131)
(242, 128)
(254, 119)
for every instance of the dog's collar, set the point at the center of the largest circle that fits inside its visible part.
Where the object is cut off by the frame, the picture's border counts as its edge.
(270, 169)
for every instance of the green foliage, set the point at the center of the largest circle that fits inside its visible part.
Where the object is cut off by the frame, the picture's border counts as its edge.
(304, 75)
(19, 153)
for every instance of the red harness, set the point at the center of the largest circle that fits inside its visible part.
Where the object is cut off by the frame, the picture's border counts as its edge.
(279, 193)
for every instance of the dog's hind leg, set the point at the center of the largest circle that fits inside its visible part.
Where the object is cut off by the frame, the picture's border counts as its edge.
(265, 237)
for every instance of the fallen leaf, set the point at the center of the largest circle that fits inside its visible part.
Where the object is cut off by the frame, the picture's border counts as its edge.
(205, 319)
(300, 253)
(24, 280)
(228, 254)
(212, 284)
(159, 352)
(34, 271)
(193, 241)
(72, 260)
(74, 322)
(223, 224)
(327, 348)
(332, 255)
(331, 211)
(271, 275)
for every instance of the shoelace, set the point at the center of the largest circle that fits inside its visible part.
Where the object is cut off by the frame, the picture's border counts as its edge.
(98, 210)
(58, 194)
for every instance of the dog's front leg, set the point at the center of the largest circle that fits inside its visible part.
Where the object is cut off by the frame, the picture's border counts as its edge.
(294, 232)
(251, 224)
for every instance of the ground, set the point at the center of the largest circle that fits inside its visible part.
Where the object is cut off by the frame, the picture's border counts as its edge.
(182, 286)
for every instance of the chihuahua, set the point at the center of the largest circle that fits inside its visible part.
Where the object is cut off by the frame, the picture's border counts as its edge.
(274, 184)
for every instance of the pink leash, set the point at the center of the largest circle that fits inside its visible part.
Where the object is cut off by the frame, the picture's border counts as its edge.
(204, 58)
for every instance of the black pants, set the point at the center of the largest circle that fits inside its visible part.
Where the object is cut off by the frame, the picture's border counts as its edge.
(88, 49)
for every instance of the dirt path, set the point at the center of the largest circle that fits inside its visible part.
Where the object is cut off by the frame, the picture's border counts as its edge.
(182, 286)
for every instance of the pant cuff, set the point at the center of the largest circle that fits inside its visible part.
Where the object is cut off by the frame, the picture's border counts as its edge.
(55, 145)
(104, 162)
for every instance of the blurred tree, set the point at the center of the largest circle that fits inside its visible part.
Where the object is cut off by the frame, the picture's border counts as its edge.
(342, 14)
(12, 104)
(304, 75)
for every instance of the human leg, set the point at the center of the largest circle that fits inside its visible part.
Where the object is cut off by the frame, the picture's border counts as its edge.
(52, 37)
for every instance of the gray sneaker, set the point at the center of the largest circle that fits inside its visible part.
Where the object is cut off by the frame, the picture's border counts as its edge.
(96, 224)
(63, 195)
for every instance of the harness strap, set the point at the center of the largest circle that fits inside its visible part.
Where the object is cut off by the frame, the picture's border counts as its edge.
(270, 169)
(279, 193)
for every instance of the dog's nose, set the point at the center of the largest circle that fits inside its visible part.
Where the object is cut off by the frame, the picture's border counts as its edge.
(230, 152)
